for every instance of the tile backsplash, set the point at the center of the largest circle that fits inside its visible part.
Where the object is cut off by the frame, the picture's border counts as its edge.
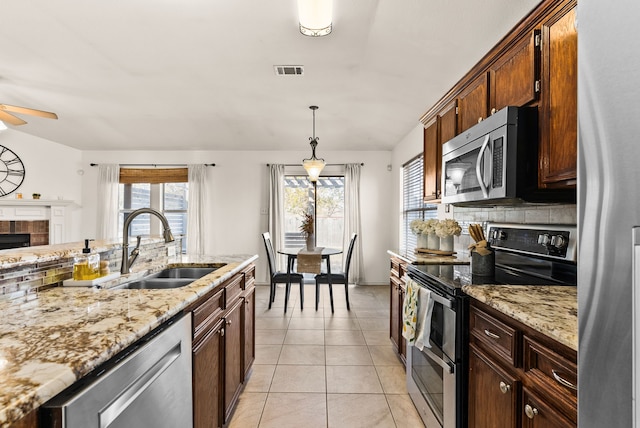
(526, 214)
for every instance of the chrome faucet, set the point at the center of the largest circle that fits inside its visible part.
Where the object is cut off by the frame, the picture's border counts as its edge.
(127, 260)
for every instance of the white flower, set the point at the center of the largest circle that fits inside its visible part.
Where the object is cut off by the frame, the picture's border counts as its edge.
(448, 227)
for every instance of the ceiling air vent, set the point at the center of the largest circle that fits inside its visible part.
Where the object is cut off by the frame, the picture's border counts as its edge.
(289, 70)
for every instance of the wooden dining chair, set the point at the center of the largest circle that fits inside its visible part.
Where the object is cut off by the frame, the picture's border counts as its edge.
(338, 277)
(280, 277)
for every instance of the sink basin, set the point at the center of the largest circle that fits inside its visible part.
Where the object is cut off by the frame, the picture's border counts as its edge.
(185, 272)
(158, 283)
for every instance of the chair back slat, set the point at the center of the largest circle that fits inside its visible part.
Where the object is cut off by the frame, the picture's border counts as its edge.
(270, 253)
(349, 253)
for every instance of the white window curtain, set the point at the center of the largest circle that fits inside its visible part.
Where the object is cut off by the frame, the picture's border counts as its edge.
(195, 209)
(276, 208)
(108, 185)
(352, 219)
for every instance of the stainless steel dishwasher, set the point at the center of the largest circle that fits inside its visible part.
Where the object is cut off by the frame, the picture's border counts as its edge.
(148, 385)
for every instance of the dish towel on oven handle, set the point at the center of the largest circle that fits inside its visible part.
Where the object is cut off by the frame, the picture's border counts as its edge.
(410, 310)
(425, 309)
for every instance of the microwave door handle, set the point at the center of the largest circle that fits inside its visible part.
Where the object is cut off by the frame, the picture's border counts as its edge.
(479, 174)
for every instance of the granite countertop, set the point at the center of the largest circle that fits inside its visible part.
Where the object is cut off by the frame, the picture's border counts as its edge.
(426, 259)
(49, 342)
(551, 310)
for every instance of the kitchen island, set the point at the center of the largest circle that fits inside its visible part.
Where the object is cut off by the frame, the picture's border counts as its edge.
(53, 338)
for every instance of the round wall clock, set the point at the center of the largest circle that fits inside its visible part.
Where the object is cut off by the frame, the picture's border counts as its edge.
(11, 171)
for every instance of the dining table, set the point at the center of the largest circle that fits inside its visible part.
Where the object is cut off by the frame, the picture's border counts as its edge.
(292, 255)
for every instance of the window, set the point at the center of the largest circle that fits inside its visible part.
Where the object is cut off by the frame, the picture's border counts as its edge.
(326, 203)
(145, 188)
(413, 206)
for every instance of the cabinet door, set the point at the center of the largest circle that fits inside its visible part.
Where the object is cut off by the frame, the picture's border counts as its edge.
(207, 379)
(513, 76)
(493, 393)
(472, 103)
(233, 370)
(395, 322)
(249, 329)
(448, 123)
(559, 118)
(432, 161)
(538, 414)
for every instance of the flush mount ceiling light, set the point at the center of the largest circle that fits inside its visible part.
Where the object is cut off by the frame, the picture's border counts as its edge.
(313, 166)
(315, 17)
(2, 126)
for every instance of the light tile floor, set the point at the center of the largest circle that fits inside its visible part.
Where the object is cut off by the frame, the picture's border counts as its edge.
(318, 369)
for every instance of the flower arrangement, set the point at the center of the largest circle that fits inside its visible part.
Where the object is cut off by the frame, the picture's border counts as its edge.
(424, 227)
(307, 225)
(448, 227)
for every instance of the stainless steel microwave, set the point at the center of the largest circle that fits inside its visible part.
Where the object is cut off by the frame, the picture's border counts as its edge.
(493, 162)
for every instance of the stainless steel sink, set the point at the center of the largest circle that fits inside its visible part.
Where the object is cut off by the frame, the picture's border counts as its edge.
(158, 283)
(185, 272)
(170, 278)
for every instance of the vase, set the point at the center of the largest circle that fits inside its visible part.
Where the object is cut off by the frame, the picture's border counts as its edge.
(310, 241)
(433, 242)
(446, 243)
(422, 240)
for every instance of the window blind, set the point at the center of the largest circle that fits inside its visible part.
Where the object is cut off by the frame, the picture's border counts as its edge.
(413, 206)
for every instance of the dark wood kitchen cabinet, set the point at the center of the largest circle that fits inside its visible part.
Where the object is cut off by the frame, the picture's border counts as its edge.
(223, 347)
(517, 376)
(514, 77)
(438, 131)
(559, 106)
(473, 103)
(396, 298)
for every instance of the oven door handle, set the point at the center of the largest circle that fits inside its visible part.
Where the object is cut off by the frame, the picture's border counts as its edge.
(449, 367)
(442, 300)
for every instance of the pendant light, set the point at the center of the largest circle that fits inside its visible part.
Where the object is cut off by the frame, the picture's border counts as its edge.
(313, 166)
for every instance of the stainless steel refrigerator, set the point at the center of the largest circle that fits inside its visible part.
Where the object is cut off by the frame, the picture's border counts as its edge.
(608, 208)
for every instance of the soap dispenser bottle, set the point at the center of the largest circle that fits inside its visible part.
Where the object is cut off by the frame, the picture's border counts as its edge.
(86, 266)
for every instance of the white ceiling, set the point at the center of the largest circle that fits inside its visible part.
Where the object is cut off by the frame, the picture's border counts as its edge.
(198, 74)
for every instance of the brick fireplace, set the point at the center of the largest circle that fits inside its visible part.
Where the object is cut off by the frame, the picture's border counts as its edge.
(21, 233)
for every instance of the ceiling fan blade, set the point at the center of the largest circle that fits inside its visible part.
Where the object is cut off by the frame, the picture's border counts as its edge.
(30, 111)
(11, 119)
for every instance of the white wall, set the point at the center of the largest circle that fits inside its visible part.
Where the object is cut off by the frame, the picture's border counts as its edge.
(239, 190)
(51, 169)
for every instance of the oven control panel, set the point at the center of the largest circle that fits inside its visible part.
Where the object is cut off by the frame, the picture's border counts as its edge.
(540, 240)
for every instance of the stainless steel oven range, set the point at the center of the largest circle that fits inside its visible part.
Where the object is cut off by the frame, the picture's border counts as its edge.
(525, 254)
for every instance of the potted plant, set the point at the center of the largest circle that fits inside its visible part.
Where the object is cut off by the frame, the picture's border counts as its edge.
(35, 195)
(307, 230)
(445, 229)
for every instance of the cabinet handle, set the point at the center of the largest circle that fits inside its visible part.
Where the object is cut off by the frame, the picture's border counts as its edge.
(530, 411)
(563, 381)
(504, 388)
(222, 332)
(490, 334)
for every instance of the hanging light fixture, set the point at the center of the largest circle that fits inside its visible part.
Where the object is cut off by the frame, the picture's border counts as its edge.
(315, 17)
(313, 166)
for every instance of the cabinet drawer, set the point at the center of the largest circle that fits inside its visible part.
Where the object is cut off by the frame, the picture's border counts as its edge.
(496, 335)
(232, 290)
(549, 367)
(207, 314)
(249, 277)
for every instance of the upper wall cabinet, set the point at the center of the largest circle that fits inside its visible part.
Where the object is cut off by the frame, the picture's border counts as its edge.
(514, 77)
(438, 131)
(559, 107)
(534, 65)
(472, 103)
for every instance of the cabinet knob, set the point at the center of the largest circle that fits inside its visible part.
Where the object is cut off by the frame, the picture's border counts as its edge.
(229, 322)
(493, 110)
(480, 119)
(530, 411)
(222, 332)
(504, 387)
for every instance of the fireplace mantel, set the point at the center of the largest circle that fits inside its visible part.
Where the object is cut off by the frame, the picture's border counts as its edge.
(54, 210)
